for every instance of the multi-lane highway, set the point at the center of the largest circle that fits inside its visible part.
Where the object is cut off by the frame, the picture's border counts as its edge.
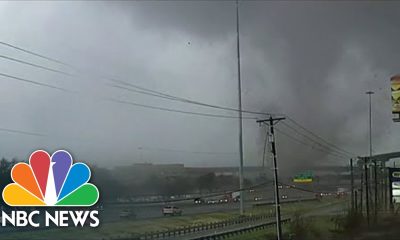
(111, 212)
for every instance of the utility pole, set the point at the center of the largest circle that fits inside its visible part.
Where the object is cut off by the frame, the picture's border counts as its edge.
(385, 179)
(271, 122)
(265, 148)
(382, 184)
(352, 184)
(356, 201)
(241, 182)
(361, 189)
(370, 158)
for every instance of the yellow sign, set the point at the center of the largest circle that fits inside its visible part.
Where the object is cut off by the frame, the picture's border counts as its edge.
(395, 85)
(298, 180)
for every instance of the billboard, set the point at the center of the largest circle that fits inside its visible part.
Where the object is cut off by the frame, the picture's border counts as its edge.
(395, 86)
(394, 180)
(304, 177)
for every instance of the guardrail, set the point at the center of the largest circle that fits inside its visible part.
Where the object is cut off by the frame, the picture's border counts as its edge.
(285, 201)
(196, 228)
(221, 234)
(231, 233)
(181, 231)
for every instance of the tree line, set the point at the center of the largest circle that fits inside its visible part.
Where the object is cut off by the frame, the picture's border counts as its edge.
(111, 187)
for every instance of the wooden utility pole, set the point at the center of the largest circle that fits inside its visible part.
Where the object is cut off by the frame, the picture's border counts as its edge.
(271, 122)
(361, 189)
(352, 184)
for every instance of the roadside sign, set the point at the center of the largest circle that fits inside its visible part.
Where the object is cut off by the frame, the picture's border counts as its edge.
(394, 180)
(304, 177)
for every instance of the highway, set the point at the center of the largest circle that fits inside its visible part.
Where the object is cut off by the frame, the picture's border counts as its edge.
(111, 212)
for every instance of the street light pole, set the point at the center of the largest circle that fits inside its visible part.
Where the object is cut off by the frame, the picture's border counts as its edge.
(370, 157)
(366, 187)
(241, 182)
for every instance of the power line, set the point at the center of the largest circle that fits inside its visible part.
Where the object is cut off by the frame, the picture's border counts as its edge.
(305, 143)
(173, 110)
(121, 101)
(317, 136)
(35, 65)
(185, 100)
(114, 100)
(152, 93)
(34, 82)
(313, 140)
(35, 54)
(170, 97)
(164, 95)
(21, 132)
(155, 93)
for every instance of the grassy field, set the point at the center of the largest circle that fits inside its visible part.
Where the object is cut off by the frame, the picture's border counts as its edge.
(320, 227)
(129, 228)
(258, 235)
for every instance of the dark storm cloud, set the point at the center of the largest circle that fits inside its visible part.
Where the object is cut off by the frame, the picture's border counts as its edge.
(310, 60)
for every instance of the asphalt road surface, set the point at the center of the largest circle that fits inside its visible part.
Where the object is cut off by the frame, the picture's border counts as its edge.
(111, 212)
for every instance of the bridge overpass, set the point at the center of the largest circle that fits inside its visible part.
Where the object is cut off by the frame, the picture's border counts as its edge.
(383, 158)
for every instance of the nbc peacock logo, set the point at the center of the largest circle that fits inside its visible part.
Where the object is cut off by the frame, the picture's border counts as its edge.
(50, 181)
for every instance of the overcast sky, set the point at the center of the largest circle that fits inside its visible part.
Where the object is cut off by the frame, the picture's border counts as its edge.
(310, 60)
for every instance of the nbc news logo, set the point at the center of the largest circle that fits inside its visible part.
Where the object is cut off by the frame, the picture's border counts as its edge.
(50, 181)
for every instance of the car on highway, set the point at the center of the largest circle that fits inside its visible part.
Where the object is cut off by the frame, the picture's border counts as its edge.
(257, 198)
(198, 201)
(236, 199)
(127, 213)
(171, 211)
(212, 201)
(223, 200)
(284, 196)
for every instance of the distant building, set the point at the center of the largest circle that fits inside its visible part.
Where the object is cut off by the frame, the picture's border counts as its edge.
(139, 172)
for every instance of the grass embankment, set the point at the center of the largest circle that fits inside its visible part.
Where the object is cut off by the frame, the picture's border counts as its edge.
(313, 228)
(317, 226)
